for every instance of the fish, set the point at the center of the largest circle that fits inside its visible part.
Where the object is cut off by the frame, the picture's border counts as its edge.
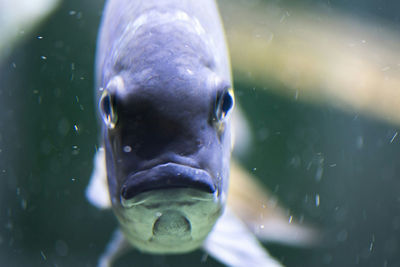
(166, 110)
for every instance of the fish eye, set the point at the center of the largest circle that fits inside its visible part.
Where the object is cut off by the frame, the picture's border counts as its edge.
(108, 110)
(224, 103)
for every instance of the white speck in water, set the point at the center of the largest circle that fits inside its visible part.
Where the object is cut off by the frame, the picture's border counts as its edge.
(254, 169)
(73, 179)
(290, 219)
(76, 127)
(317, 200)
(262, 226)
(318, 174)
(371, 245)
(333, 165)
(363, 41)
(158, 214)
(271, 37)
(394, 136)
(204, 257)
(24, 204)
(72, 66)
(359, 142)
(75, 150)
(127, 149)
(43, 255)
(40, 37)
(282, 18)
(43, 57)
(14, 65)
(189, 71)
(72, 12)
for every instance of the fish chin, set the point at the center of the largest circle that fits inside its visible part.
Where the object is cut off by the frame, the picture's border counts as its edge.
(169, 220)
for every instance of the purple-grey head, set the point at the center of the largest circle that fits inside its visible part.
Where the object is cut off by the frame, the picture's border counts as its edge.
(165, 98)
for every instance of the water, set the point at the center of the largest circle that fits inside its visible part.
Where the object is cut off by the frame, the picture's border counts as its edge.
(335, 170)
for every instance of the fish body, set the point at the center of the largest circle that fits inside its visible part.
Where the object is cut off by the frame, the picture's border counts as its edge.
(163, 79)
(164, 87)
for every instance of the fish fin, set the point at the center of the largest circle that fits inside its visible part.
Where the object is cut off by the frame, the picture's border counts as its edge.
(233, 244)
(241, 131)
(250, 201)
(97, 190)
(117, 246)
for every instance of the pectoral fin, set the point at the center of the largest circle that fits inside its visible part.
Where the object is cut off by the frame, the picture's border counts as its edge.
(234, 245)
(97, 190)
(260, 212)
(115, 248)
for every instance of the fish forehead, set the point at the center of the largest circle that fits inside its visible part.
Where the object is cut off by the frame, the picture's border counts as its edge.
(146, 37)
(168, 31)
(164, 55)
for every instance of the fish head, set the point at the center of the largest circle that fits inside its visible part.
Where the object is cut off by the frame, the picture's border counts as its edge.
(166, 130)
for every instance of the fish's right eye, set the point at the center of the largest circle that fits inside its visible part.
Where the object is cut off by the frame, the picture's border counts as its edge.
(108, 110)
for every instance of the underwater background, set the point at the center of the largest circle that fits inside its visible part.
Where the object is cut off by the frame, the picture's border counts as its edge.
(336, 169)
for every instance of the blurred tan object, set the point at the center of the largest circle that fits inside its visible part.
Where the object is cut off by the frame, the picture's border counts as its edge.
(262, 214)
(18, 17)
(317, 56)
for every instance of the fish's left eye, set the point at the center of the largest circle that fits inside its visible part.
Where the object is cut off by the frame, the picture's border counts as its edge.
(224, 103)
(108, 110)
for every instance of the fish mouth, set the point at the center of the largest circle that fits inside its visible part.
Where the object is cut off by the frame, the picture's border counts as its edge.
(167, 176)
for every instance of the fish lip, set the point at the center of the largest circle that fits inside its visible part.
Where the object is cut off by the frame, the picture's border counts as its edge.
(167, 176)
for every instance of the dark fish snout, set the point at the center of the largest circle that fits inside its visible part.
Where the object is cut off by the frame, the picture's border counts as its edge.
(167, 176)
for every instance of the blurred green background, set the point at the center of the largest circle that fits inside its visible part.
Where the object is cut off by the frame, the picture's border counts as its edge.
(48, 136)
